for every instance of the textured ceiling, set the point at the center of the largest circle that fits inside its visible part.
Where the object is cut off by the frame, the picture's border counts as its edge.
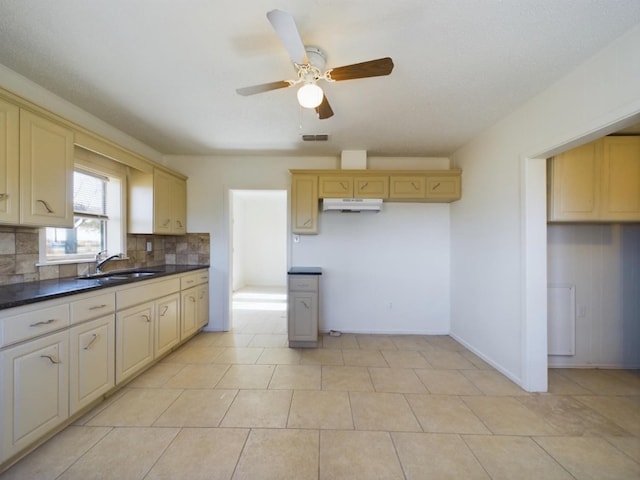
(165, 71)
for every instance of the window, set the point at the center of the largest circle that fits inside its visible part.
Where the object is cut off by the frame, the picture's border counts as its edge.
(98, 216)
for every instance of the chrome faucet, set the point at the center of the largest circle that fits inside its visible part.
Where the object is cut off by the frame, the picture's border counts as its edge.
(100, 262)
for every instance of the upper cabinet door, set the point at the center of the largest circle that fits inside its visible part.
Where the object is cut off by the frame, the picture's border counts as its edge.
(9, 162)
(304, 204)
(621, 178)
(334, 186)
(575, 184)
(179, 204)
(371, 187)
(162, 214)
(46, 172)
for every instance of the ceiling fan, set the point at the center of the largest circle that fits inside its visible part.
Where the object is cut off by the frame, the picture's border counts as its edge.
(310, 64)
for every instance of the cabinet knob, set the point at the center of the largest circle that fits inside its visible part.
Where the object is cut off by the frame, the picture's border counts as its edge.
(43, 322)
(91, 342)
(46, 205)
(51, 359)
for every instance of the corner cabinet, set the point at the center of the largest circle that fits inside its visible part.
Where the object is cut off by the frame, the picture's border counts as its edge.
(596, 182)
(46, 172)
(157, 203)
(304, 204)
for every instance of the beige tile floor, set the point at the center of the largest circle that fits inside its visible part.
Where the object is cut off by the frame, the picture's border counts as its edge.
(240, 405)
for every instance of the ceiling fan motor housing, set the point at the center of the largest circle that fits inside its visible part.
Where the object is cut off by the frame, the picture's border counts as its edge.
(316, 57)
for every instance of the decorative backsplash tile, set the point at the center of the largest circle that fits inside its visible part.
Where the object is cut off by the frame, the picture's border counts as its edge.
(19, 255)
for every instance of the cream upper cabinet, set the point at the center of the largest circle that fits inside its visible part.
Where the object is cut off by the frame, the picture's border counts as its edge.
(46, 172)
(157, 203)
(442, 188)
(170, 204)
(335, 186)
(371, 187)
(596, 182)
(574, 184)
(407, 187)
(304, 204)
(9, 162)
(620, 199)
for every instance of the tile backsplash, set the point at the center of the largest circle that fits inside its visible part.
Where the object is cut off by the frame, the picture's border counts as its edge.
(19, 255)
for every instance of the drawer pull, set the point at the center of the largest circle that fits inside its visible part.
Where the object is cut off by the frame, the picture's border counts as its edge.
(179, 223)
(98, 307)
(307, 222)
(364, 185)
(190, 281)
(343, 185)
(164, 311)
(43, 322)
(415, 187)
(147, 318)
(166, 223)
(305, 304)
(435, 186)
(50, 358)
(88, 346)
(46, 206)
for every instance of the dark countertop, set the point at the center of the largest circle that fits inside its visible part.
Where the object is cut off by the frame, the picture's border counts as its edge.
(305, 271)
(18, 294)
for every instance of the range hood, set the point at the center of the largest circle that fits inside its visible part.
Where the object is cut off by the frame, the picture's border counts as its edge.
(351, 204)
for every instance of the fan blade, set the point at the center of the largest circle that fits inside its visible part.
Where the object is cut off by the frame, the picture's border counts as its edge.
(324, 109)
(372, 68)
(285, 27)
(265, 87)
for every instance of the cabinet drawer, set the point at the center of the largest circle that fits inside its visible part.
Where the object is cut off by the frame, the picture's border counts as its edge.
(193, 279)
(146, 292)
(92, 307)
(407, 187)
(371, 187)
(303, 283)
(443, 188)
(33, 323)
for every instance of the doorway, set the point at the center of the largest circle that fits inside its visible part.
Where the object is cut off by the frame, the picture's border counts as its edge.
(258, 261)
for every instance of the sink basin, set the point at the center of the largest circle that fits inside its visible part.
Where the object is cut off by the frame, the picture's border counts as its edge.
(124, 275)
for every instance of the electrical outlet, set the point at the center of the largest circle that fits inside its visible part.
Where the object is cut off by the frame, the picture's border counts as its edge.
(149, 246)
(296, 239)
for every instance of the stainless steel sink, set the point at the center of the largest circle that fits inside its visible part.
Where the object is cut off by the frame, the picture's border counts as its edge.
(122, 275)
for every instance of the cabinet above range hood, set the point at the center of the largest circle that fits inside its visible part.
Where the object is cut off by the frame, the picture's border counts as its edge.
(351, 204)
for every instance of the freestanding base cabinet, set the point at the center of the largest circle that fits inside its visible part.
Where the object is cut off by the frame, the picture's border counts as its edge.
(303, 296)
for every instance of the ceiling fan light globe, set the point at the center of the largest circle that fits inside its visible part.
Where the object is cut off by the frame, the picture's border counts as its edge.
(310, 95)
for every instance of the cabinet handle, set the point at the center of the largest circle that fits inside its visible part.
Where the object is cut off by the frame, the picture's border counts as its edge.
(192, 298)
(364, 185)
(88, 346)
(179, 223)
(201, 295)
(435, 186)
(307, 222)
(3, 196)
(43, 322)
(164, 311)
(305, 304)
(98, 307)
(55, 362)
(190, 281)
(46, 205)
(147, 318)
(343, 185)
(167, 222)
(415, 187)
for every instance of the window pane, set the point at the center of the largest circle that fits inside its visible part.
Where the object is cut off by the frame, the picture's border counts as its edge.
(87, 238)
(88, 194)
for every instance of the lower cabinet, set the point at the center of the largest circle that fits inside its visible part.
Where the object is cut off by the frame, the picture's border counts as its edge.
(189, 312)
(134, 340)
(92, 355)
(203, 305)
(167, 331)
(35, 390)
(302, 295)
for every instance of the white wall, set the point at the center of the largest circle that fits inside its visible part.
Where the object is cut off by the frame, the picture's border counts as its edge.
(418, 235)
(259, 238)
(384, 272)
(498, 283)
(603, 263)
